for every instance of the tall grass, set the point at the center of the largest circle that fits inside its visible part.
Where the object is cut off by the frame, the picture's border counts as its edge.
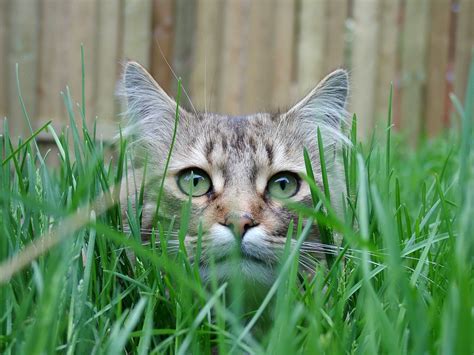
(401, 282)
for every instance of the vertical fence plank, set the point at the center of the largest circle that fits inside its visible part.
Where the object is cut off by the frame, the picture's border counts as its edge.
(162, 46)
(312, 43)
(82, 27)
(464, 45)
(136, 30)
(414, 47)
(3, 64)
(258, 72)
(230, 83)
(107, 64)
(438, 53)
(22, 49)
(59, 65)
(52, 61)
(336, 27)
(207, 44)
(387, 56)
(64, 27)
(364, 63)
(283, 39)
(184, 44)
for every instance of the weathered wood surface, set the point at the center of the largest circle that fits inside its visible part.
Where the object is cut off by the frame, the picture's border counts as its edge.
(185, 22)
(136, 29)
(207, 42)
(258, 61)
(438, 56)
(233, 47)
(283, 54)
(364, 63)
(107, 66)
(53, 62)
(336, 12)
(21, 50)
(388, 40)
(414, 71)
(311, 43)
(464, 46)
(238, 56)
(3, 59)
(162, 42)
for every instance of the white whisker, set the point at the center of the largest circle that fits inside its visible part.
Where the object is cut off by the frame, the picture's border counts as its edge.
(176, 77)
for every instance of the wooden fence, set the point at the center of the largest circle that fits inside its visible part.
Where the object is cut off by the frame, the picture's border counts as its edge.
(238, 56)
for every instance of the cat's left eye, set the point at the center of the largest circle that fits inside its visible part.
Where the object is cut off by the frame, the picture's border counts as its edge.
(194, 182)
(283, 185)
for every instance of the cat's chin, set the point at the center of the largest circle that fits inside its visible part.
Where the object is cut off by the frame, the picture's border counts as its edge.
(249, 270)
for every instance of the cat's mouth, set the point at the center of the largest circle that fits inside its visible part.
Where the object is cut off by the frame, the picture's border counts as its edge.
(242, 255)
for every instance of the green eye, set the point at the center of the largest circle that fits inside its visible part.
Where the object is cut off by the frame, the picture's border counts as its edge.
(194, 182)
(283, 185)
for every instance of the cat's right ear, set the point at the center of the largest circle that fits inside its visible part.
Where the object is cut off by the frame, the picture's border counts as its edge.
(324, 107)
(149, 107)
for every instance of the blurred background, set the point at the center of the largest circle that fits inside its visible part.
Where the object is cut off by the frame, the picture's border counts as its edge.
(238, 56)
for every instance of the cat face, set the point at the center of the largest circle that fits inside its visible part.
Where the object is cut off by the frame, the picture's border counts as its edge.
(237, 172)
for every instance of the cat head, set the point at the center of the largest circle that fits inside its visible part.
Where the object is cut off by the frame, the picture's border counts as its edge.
(237, 171)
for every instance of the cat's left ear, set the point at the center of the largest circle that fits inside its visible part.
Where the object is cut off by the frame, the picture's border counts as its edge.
(150, 110)
(325, 105)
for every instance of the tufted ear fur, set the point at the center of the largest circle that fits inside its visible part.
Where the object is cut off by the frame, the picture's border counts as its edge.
(150, 110)
(325, 105)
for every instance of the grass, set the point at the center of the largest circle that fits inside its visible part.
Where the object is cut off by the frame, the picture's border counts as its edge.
(402, 281)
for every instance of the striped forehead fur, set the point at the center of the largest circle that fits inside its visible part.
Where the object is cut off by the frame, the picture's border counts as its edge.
(151, 112)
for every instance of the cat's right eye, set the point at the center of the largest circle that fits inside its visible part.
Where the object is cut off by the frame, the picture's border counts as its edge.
(194, 182)
(283, 185)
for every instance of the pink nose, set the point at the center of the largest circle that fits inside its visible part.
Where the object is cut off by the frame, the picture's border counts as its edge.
(240, 224)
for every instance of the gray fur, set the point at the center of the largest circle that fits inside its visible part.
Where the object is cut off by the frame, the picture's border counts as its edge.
(240, 154)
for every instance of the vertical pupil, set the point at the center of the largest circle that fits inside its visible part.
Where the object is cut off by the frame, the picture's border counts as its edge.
(195, 181)
(283, 183)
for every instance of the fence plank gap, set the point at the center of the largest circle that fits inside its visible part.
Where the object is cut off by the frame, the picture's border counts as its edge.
(184, 45)
(438, 53)
(414, 55)
(463, 47)
(162, 43)
(364, 63)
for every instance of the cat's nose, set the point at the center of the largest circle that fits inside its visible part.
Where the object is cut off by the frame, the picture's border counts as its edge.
(240, 224)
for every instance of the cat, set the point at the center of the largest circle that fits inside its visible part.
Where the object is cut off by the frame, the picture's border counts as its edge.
(240, 170)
